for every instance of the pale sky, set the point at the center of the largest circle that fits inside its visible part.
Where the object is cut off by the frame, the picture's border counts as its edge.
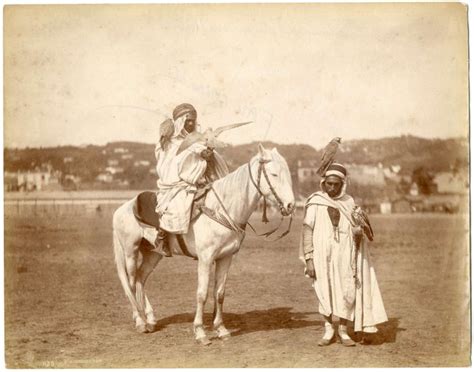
(303, 73)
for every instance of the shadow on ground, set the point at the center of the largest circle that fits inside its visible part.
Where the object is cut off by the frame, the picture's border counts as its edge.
(251, 321)
(387, 333)
(283, 318)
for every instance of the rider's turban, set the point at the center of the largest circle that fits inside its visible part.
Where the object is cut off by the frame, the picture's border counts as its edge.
(183, 109)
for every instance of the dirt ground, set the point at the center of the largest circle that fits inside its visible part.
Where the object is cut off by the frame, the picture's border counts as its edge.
(65, 308)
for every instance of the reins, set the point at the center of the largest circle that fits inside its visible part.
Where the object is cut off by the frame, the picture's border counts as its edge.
(235, 226)
(262, 169)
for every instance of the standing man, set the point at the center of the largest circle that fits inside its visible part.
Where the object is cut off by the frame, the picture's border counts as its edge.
(180, 171)
(343, 277)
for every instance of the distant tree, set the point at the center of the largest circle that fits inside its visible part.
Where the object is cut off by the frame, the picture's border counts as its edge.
(423, 179)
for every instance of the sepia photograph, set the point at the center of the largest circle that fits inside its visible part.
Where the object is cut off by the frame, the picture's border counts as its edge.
(236, 185)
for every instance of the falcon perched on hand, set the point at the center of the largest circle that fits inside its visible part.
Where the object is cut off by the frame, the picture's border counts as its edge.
(361, 219)
(328, 155)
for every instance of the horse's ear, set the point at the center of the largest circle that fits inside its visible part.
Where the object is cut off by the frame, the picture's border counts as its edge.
(261, 151)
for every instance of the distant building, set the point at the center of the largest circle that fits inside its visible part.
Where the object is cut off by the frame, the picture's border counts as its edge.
(393, 173)
(114, 170)
(414, 189)
(385, 207)
(401, 205)
(307, 170)
(120, 150)
(112, 162)
(452, 183)
(10, 181)
(105, 177)
(127, 156)
(41, 178)
(141, 163)
(68, 159)
(366, 174)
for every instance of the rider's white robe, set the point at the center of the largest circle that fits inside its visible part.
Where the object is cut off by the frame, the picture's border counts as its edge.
(177, 178)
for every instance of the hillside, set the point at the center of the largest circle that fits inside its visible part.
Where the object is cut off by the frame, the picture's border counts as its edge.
(88, 162)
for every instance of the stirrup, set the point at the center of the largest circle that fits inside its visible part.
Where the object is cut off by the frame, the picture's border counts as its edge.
(161, 244)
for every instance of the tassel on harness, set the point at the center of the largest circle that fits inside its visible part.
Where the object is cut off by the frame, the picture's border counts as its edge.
(264, 214)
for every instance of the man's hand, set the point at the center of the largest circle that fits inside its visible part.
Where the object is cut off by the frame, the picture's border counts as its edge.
(310, 268)
(357, 230)
(207, 154)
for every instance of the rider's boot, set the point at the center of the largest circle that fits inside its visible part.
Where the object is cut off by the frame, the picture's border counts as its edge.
(161, 243)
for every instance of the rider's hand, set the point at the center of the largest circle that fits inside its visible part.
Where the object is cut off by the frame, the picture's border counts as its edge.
(310, 268)
(206, 154)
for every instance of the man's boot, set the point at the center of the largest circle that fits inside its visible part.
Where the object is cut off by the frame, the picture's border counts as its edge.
(161, 243)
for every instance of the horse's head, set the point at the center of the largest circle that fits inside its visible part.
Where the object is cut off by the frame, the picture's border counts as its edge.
(273, 179)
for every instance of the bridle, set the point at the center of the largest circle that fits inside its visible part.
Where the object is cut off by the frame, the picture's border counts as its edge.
(283, 211)
(241, 229)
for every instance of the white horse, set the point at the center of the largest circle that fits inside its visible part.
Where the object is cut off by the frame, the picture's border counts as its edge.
(212, 237)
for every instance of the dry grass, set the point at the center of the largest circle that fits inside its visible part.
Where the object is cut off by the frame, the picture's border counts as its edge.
(65, 307)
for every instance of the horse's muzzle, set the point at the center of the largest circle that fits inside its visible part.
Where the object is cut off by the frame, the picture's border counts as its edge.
(288, 210)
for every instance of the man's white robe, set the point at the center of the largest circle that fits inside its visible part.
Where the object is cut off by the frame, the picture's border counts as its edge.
(345, 284)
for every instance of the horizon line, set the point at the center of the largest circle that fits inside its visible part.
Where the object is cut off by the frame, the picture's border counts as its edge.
(233, 145)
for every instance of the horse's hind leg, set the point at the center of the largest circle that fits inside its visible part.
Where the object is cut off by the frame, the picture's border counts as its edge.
(222, 269)
(131, 261)
(149, 262)
(126, 255)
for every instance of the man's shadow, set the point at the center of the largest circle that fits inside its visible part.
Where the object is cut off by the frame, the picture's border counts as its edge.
(387, 333)
(283, 318)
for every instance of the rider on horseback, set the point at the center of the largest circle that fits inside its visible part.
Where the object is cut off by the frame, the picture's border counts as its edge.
(181, 168)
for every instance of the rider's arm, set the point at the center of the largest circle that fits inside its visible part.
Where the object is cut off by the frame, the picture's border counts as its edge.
(192, 166)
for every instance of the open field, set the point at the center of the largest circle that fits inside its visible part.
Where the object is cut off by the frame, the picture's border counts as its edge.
(65, 308)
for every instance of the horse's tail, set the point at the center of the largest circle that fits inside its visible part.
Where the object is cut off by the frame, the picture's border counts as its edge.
(122, 270)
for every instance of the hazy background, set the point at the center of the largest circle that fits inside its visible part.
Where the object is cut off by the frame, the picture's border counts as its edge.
(302, 73)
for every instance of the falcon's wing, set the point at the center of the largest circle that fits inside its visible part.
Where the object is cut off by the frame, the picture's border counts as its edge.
(219, 130)
(327, 158)
(367, 227)
(166, 132)
(191, 139)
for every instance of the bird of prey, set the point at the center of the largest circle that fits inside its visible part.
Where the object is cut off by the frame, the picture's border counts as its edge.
(362, 219)
(166, 132)
(208, 137)
(328, 155)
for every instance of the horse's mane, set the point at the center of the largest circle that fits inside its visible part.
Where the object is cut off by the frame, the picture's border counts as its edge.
(236, 179)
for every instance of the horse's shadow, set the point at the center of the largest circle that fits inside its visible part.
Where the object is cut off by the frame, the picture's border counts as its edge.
(282, 318)
(251, 321)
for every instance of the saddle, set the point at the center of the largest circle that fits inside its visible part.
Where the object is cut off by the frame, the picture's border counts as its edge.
(145, 204)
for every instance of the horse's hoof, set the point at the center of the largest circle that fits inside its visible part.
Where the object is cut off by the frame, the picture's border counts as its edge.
(224, 337)
(204, 341)
(142, 328)
(150, 327)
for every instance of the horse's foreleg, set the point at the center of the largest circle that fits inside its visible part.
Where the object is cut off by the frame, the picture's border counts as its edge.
(222, 269)
(204, 268)
(149, 262)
